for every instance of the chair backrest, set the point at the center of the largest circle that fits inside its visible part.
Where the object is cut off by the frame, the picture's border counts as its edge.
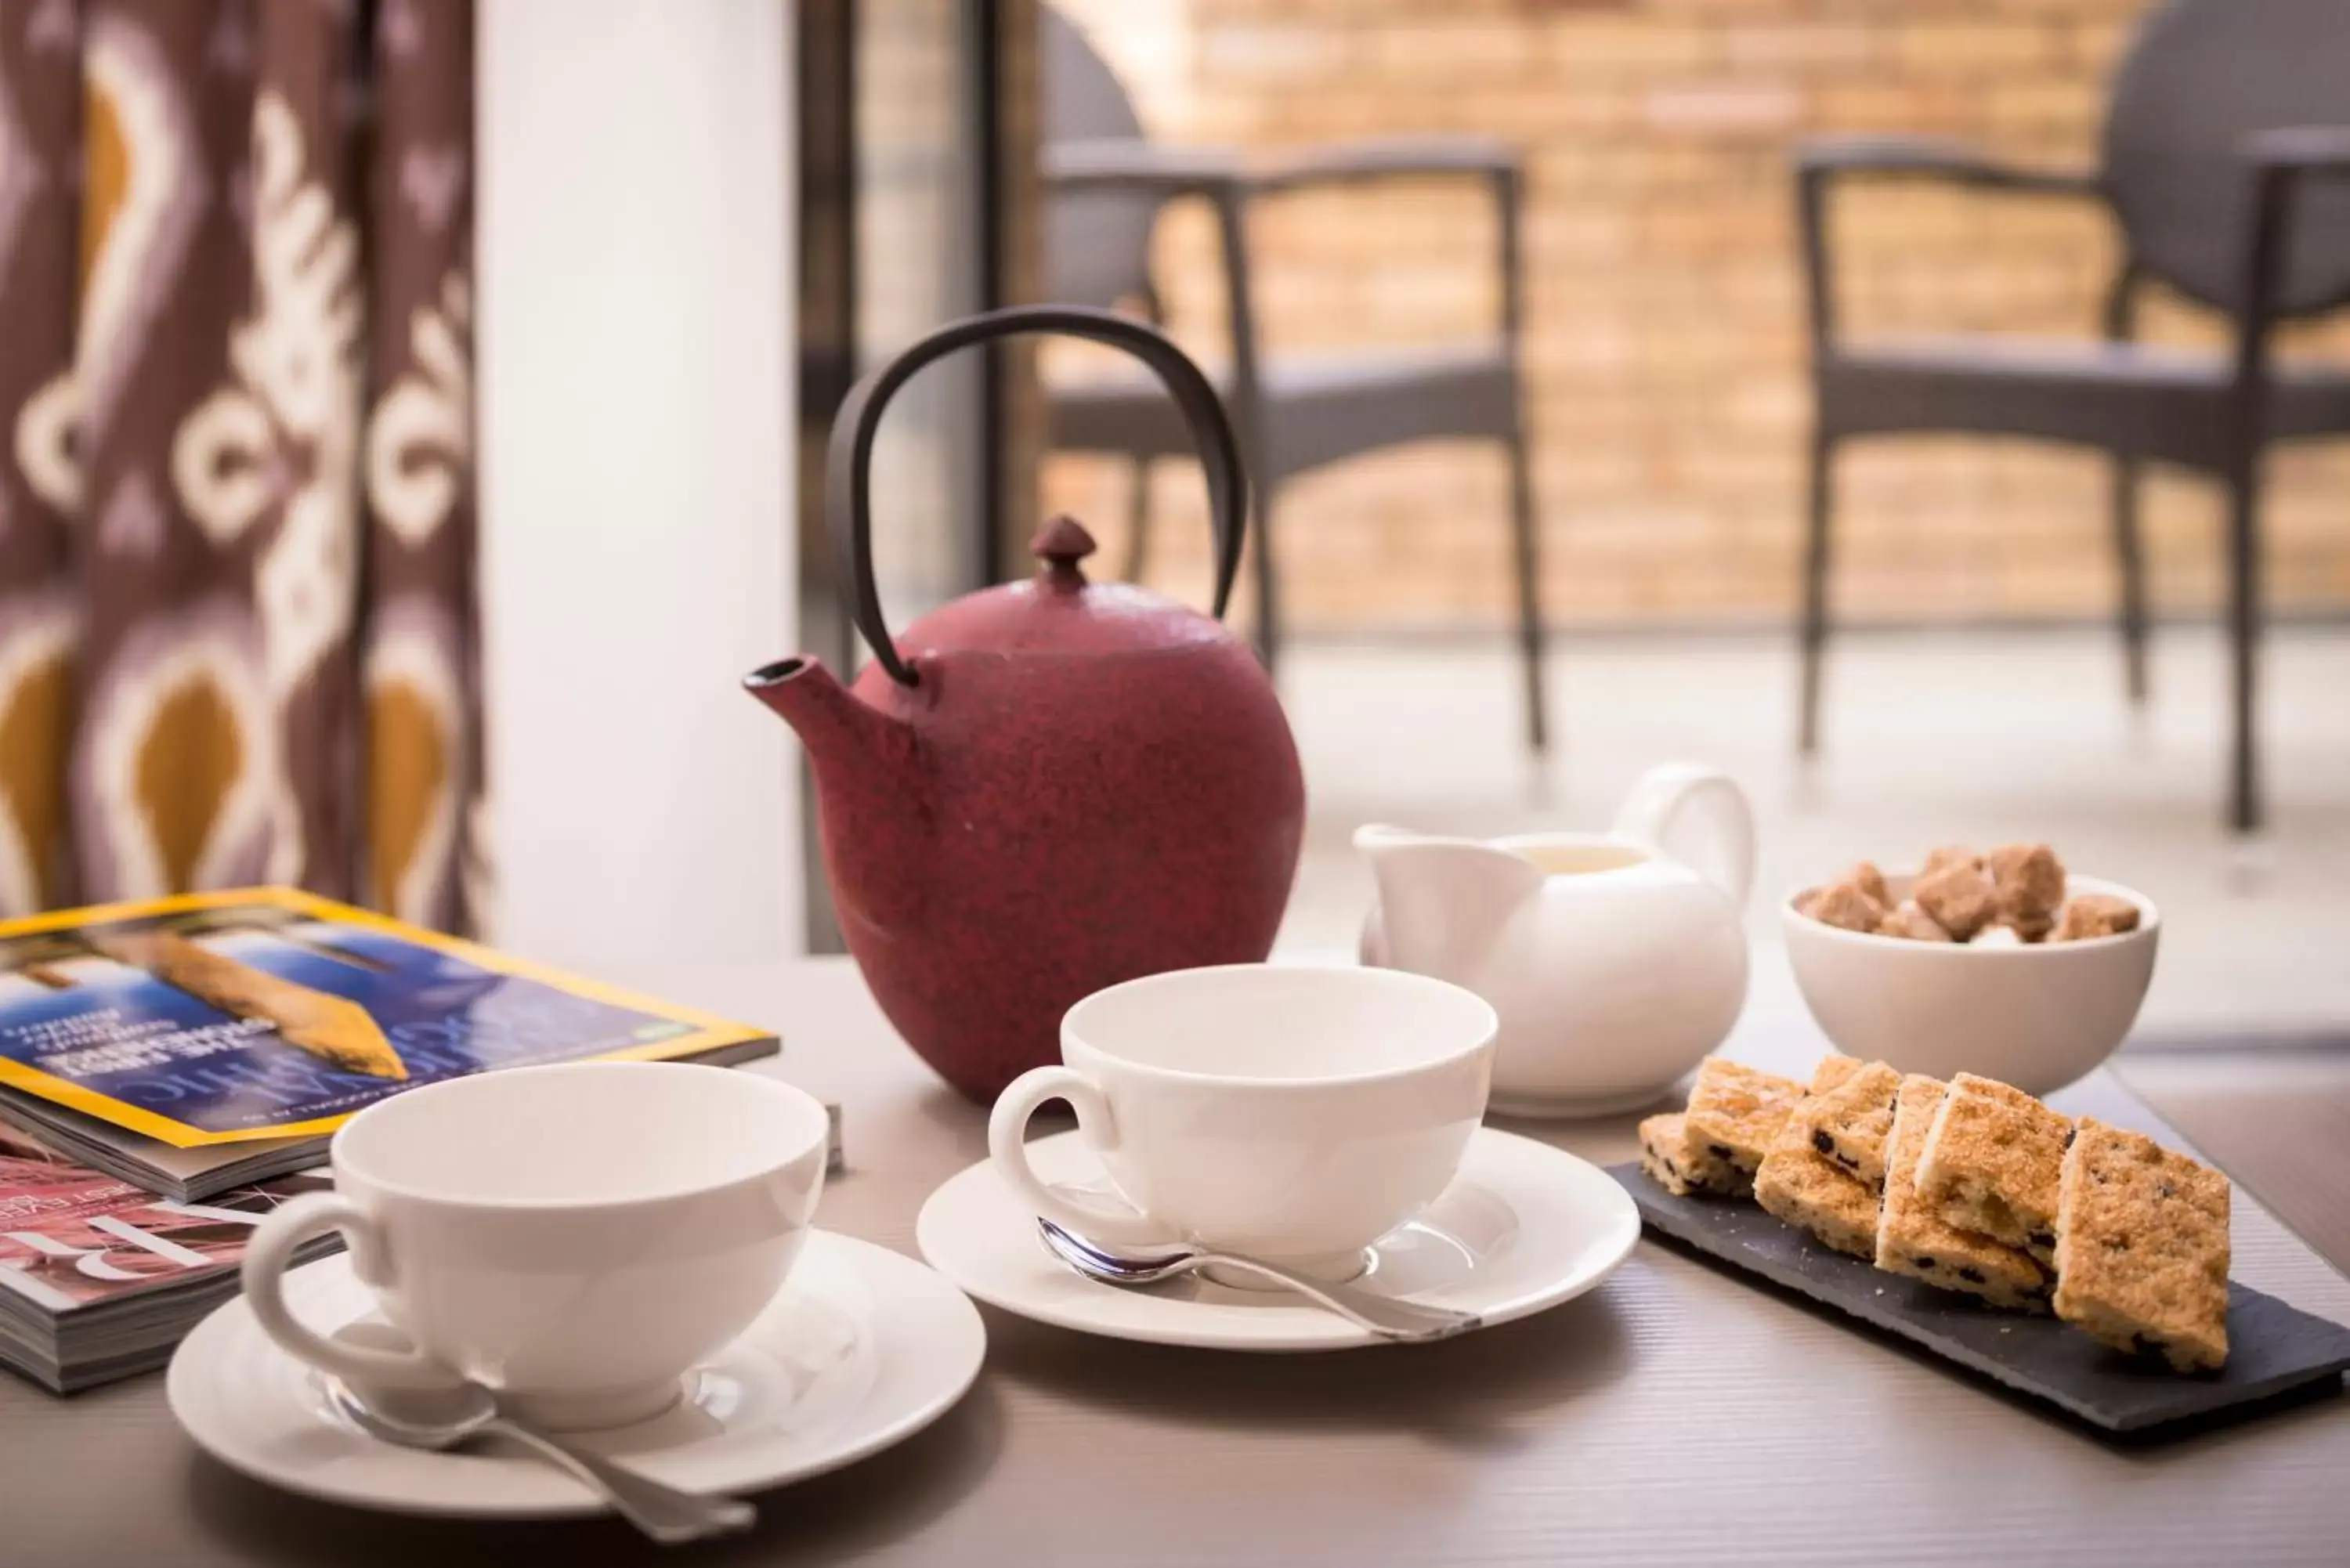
(2200, 77)
(1097, 245)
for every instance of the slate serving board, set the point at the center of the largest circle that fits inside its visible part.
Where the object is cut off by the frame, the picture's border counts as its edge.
(2274, 1350)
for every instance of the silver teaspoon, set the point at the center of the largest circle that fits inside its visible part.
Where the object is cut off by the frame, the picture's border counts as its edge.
(1409, 1323)
(449, 1418)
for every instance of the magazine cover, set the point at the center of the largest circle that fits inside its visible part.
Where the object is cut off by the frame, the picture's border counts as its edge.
(222, 1018)
(71, 1238)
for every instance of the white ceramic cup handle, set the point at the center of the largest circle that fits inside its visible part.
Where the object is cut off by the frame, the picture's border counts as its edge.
(1698, 816)
(272, 1248)
(1007, 1145)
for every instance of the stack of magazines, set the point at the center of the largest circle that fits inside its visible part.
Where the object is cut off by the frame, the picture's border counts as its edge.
(100, 1279)
(165, 1066)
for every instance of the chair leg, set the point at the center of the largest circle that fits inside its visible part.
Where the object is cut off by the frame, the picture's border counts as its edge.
(1524, 530)
(1137, 519)
(2130, 559)
(1268, 593)
(1814, 633)
(2244, 811)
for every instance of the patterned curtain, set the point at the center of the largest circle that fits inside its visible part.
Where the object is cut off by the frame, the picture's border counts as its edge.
(238, 636)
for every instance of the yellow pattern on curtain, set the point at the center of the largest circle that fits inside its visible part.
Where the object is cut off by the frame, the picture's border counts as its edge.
(238, 632)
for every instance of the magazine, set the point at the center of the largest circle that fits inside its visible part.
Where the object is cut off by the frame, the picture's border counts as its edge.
(197, 1044)
(99, 1280)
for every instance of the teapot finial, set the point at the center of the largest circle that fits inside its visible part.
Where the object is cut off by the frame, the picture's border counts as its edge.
(1061, 543)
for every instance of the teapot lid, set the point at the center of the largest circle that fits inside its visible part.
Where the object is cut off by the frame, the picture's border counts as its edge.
(1060, 611)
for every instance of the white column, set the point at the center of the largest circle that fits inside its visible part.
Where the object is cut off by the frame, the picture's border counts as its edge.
(635, 351)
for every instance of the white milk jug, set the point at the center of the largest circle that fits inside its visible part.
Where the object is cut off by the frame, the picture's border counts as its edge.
(1615, 960)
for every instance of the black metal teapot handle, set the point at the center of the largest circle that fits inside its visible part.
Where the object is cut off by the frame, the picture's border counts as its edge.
(849, 464)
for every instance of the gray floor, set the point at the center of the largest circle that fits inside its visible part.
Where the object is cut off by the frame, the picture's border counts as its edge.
(1978, 737)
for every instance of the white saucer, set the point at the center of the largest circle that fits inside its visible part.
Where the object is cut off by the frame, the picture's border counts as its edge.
(863, 1348)
(1524, 1227)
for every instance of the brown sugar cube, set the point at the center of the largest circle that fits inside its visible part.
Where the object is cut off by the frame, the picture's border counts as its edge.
(1914, 923)
(2030, 881)
(1991, 1163)
(1947, 856)
(1866, 877)
(1912, 1237)
(1735, 1113)
(1962, 899)
(2095, 915)
(2142, 1248)
(1844, 906)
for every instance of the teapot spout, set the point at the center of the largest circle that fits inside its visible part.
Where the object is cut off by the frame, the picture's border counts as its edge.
(1441, 899)
(871, 792)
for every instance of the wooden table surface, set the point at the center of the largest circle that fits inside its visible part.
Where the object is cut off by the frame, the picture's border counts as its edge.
(1674, 1416)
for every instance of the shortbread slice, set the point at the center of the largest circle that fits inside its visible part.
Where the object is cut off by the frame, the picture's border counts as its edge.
(1991, 1164)
(1848, 1123)
(2142, 1248)
(1666, 1155)
(1736, 1113)
(1798, 1184)
(1912, 1239)
(1832, 1072)
(1812, 1192)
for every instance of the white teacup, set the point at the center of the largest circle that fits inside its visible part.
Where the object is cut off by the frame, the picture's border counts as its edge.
(574, 1236)
(1296, 1115)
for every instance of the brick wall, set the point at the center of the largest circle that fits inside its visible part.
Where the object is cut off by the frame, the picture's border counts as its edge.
(1665, 336)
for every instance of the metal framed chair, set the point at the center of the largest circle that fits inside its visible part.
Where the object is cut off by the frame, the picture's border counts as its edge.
(1105, 184)
(2226, 164)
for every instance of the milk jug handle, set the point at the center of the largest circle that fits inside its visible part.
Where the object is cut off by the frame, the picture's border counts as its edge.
(1697, 816)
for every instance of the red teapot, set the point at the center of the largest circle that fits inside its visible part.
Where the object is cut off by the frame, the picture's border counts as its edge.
(1046, 787)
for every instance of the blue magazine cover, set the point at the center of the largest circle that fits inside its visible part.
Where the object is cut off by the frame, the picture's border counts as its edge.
(268, 1014)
